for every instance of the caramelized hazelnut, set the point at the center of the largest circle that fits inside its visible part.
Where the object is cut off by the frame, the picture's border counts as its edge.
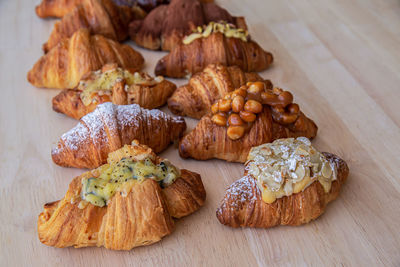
(235, 120)
(241, 91)
(237, 103)
(247, 116)
(224, 105)
(253, 106)
(219, 119)
(214, 108)
(235, 132)
(256, 88)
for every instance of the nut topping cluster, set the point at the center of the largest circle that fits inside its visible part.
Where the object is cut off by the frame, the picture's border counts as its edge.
(238, 110)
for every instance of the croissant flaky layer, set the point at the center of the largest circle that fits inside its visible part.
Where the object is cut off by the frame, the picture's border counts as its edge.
(99, 16)
(166, 25)
(188, 59)
(141, 217)
(204, 88)
(208, 140)
(70, 103)
(64, 65)
(108, 128)
(243, 206)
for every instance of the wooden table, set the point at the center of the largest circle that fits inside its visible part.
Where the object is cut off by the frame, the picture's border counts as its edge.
(341, 59)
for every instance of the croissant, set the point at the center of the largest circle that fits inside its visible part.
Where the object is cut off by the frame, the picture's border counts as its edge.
(204, 88)
(139, 211)
(234, 127)
(165, 26)
(243, 204)
(65, 64)
(187, 59)
(99, 16)
(116, 85)
(108, 128)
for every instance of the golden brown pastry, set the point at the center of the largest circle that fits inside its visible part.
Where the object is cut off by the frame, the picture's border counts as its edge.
(130, 201)
(166, 25)
(113, 84)
(108, 128)
(249, 116)
(285, 183)
(64, 65)
(99, 16)
(204, 88)
(215, 43)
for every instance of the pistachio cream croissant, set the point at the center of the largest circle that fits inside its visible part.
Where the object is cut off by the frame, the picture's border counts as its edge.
(287, 182)
(249, 116)
(113, 84)
(108, 128)
(166, 25)
(215, 43)
(130, 201)
(204, 88)
(99, 16)
(64, 65)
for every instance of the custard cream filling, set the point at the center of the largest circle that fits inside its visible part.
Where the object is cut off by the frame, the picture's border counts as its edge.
(103, 83)
(288, 166)
(122, 175)
(227, 29)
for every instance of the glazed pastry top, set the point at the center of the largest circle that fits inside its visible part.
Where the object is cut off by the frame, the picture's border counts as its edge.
(288, 166)
(228, 29)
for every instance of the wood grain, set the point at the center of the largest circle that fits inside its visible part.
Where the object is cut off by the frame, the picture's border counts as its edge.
(341, 59)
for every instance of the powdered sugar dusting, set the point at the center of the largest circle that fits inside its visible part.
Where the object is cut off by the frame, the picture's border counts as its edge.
(239, 193)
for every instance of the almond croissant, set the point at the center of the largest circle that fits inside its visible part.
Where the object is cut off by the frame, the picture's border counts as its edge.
(115, 85)
(243, 205)
(188, 59)
(204, 88)
(165, 26)
(234, 127)
(108, 128)
(64, 65)
(99, 16)
(138, 211)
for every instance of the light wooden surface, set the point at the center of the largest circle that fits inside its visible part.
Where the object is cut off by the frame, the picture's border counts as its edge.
(341, 59)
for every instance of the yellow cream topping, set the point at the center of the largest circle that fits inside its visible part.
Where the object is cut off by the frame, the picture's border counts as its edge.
(103, 82)
(288, 166)
(229, 30)
(118, 176)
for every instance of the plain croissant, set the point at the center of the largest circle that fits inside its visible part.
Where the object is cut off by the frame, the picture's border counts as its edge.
(147, 96)
(108, 128)
(64, 65)
(188, 59)
(243, 206)
(140, 216)
(204, 88)
(99, 16)
(166, 25)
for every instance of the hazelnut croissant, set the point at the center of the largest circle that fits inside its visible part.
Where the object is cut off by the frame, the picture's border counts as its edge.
(108, 128)
(188, 59)
(115, 85)
(243, 206)
(64, 65)
(138, 211)
(234, 127)
(204, 88)
(99, 16)
(165, 26)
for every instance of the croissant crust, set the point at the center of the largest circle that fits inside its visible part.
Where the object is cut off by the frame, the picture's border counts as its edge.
(242, 205)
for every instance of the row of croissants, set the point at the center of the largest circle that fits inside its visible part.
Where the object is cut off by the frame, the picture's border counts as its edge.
(132, 197)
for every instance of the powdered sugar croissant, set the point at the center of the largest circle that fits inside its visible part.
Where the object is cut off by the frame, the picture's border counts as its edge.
(245, 204)
(116, 85)
(99, 16)
(204, 88)
(108, 128)
(64, 65)
(139, 209)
